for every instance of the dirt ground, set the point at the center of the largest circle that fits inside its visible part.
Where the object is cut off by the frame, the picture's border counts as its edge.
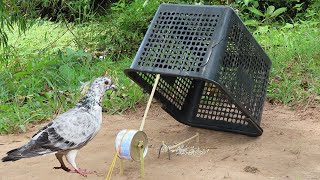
(288, 149)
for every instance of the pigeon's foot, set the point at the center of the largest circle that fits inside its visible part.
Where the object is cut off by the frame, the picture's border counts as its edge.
(83, 172)
(64, 168)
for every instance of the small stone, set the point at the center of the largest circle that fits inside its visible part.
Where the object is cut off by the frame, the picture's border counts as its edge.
(251, 169)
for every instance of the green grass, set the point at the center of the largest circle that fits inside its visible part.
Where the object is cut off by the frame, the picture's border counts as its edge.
(51, 85)
(42, 71)
(295, 74)
(35, 86)
(43, 36)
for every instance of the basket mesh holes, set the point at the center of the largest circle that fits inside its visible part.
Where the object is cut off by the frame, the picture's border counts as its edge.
(178, 43)
(215, 106)
(183, 37)
(243, 71)
(175, 92)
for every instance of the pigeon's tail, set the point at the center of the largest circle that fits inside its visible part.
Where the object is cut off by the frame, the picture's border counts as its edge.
(12, 155)
(31, 149)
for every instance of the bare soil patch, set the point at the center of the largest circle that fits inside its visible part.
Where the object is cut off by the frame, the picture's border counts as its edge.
(288, 149)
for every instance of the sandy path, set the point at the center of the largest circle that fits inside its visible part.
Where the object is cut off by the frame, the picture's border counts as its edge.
(288, 149)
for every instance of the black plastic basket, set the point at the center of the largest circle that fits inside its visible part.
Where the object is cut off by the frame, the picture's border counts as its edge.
(213, 72)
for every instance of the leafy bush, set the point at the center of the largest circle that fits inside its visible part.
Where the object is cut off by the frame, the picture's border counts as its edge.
(70, 10)
(257, 12)
(122, 31)
(273, 8)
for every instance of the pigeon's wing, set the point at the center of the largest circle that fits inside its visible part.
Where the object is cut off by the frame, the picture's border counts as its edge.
(71, 130)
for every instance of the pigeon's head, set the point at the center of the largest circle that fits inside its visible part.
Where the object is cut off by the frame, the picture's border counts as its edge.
(102, 84)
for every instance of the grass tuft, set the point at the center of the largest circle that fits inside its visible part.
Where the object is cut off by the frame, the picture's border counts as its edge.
(295, 75)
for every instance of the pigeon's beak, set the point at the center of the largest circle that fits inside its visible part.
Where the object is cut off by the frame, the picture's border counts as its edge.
(113, 88)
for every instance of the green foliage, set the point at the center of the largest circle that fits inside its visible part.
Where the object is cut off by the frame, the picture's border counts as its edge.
(41, 78)
(9, 18)
(256, 13)
(295, 75)
(13, 13)
(70, 10)
(42, 72)
(42, 37)
(261, 13)
(122, 31)
(44, 87)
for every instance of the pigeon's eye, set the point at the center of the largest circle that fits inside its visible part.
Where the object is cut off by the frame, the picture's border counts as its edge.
(107, 82)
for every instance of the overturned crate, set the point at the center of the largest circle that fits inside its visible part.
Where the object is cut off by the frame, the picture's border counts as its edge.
(213, 72)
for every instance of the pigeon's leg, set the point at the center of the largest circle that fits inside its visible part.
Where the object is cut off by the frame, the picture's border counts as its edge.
(71, 158)
(62, 165)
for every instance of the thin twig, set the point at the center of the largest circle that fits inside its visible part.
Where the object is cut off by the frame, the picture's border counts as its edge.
(149, 102)
(51, 43)
(187, 140)
(75, 37)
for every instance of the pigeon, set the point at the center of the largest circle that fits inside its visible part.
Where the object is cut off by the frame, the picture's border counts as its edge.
(70, 131)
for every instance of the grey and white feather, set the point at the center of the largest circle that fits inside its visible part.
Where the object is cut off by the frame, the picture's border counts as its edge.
(69, 131)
